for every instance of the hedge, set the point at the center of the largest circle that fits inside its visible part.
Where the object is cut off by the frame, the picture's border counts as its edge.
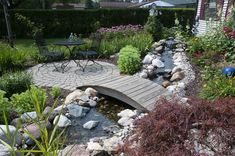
(59, 23)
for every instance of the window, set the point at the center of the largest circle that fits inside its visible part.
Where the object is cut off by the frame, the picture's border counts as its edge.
(212, 9)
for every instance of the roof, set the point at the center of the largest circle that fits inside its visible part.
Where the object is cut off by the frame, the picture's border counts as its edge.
(181, 2)
(115, 4)
(68, 5)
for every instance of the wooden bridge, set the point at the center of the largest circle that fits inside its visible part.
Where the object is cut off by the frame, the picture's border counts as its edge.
(140, 93)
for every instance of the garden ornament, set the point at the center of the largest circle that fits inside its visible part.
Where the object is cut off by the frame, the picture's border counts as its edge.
(229, 71)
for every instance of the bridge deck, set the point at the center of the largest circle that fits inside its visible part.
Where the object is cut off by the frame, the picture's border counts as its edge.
(137, 92)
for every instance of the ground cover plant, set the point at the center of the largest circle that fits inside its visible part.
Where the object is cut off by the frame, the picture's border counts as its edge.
(175, 129)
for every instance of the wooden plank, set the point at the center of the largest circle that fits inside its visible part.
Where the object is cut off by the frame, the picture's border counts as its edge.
(154, 99)
(145, 90)
(139, 89)
(151, 106)
(127, 85)
(121, 79)
(105, 80)
(142, 99)
(124, 83)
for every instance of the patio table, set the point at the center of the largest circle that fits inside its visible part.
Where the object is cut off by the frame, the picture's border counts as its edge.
(71, 45)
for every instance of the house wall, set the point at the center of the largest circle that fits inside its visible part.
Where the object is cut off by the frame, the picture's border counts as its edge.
(203, 25)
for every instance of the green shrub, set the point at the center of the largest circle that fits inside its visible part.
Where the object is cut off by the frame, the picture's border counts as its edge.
(129, 61)
(16, 82)
(5, 106)
(55, 92)
(154, 27)
(25, 101)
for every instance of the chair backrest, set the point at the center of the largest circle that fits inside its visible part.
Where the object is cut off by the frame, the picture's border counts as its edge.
(41, 43)
(96, 41)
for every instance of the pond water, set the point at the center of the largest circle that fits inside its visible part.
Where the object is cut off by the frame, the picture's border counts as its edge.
(105, 113)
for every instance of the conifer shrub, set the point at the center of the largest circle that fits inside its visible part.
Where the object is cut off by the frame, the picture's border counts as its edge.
(179, 129)
(129, 61)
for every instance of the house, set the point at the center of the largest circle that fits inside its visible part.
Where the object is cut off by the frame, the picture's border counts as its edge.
(115, 4)
(211, 13)
(182, 3)
(78, 6)
(168, 3)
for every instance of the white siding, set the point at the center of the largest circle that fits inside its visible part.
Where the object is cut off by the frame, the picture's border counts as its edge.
(205, 26)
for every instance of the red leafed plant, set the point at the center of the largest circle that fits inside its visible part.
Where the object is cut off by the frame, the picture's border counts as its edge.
(167, 130)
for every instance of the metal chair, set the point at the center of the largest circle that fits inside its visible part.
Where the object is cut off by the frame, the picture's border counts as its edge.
(90, 54)
(49, 56)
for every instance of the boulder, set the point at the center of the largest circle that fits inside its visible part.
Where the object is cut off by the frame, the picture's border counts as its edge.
(94, 146)
(77, 111)
(159, 43)
(91, 92)
(143, 75)
(148, 59)
(16, 121)
(179, 50)
(176, 69)
(47, 110)
(150, 67)
(34, 128)
(158, 63)
(74, 150)
(12, 130)
(177, 76)
(125, 121)
(63, 121)
(28, 140)
(92, 103)
(127, 113)
(166, 84)
(29, 116)
(159, 49)
(90, 124)
(151, 74)
(4, 151)
(75, 95)
(112, 144)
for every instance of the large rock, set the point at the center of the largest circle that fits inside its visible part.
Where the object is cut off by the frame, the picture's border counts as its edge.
(127, 113)
(176, 69)
(4, 151)
(34, 128)
(63, 121)
(90, 124)
(91, 92)
(92, 103)
(47, 111)
(159, 43)
(77, 111)
(112, 144)
(159, 49)
(177, 76)
(28, 116)
(94, 146)
(12, 130)
(148, 59)
(75, 95)
(158, 63)
(125, 121)
(74, 150)
(166, 84)
(143, 75)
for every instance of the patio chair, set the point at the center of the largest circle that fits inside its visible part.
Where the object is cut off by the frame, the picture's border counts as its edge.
(49, 56)
(88, 55)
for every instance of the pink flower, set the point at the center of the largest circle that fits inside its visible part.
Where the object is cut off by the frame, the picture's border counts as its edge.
(226, 29)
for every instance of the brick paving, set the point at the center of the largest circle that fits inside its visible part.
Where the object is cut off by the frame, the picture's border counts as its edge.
(73, 75)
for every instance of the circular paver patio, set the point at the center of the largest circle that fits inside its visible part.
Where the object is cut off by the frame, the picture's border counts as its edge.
(73, 75)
